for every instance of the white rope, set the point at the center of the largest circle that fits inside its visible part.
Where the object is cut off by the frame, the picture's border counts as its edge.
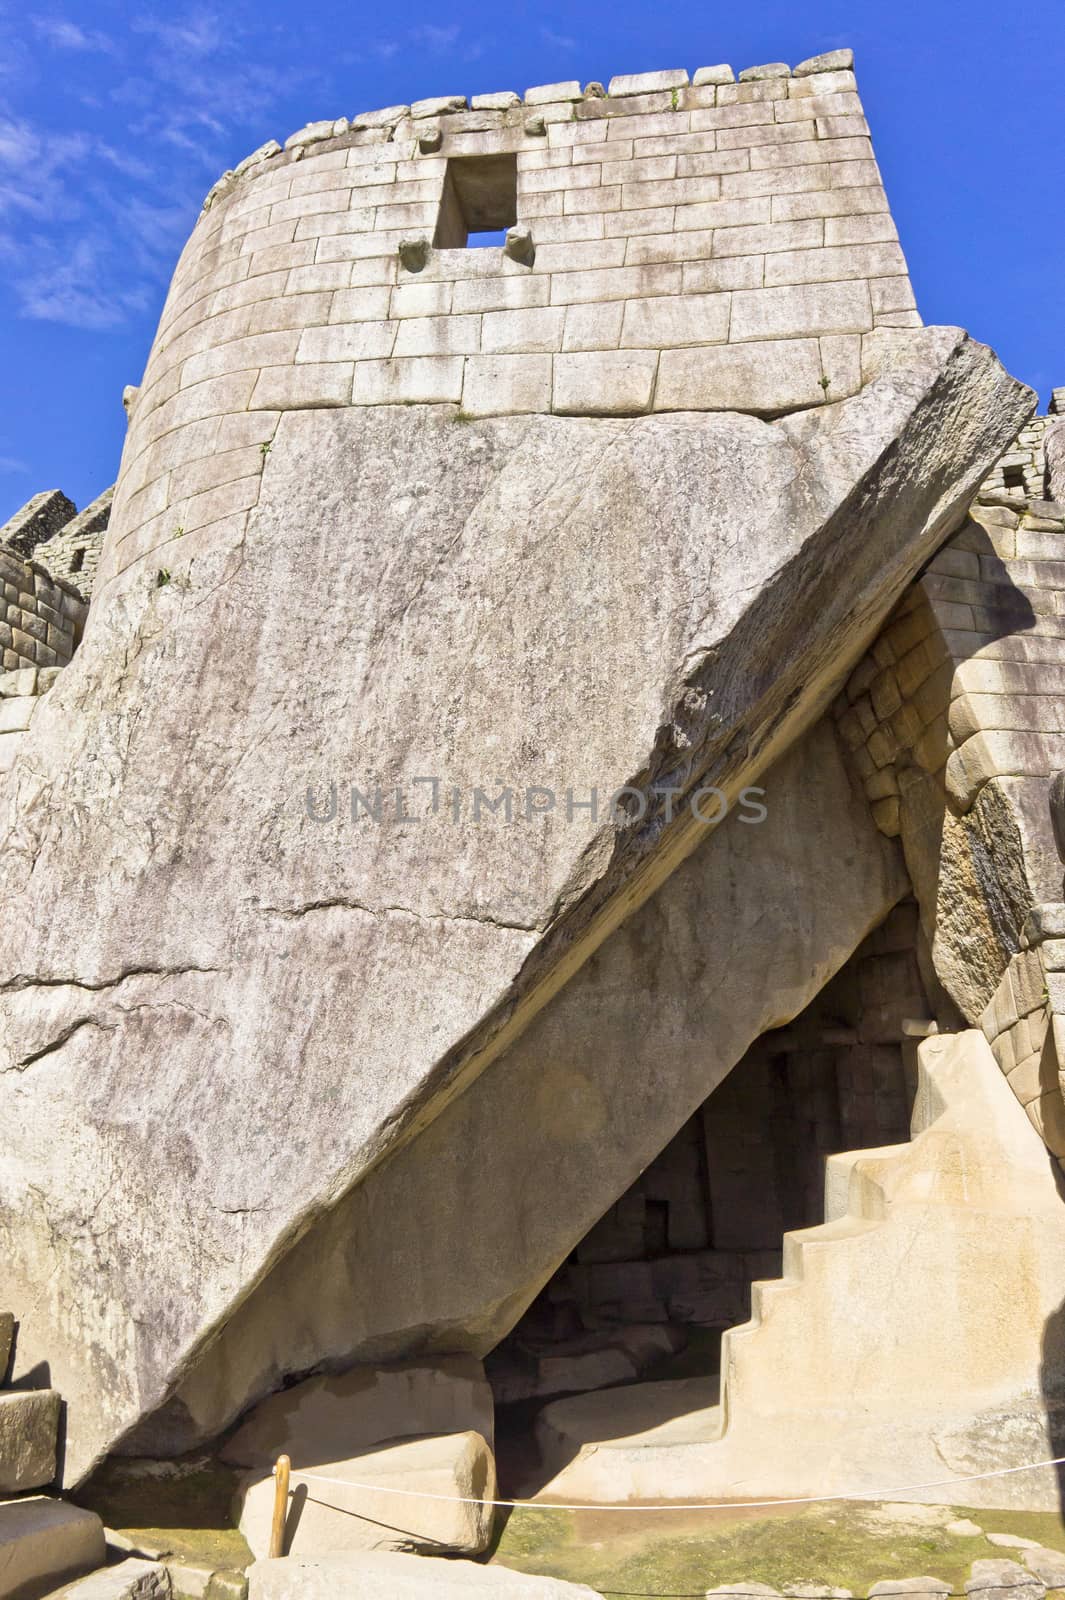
(721, 1505)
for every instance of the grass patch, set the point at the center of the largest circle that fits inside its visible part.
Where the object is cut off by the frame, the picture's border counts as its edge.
(676, 1554)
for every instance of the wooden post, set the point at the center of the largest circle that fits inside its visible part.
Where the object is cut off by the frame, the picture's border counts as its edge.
(277, 1527)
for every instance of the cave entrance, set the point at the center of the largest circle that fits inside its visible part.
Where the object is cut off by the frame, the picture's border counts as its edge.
(649, 1290)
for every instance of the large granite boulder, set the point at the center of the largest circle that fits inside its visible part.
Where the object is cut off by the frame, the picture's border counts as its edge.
(446, 1243)
(220, 1013)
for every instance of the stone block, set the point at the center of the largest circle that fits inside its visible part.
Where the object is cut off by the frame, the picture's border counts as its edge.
(376, 1576)
(833, 61)
(860, 200)
(765, 378)
(771, 69)
(346, 342)
(370, 1515)
(803, 178)
(501, 385)
(307, 386)
(437, 105)
(1047, 1565)
(501, 100)
(839, 262)
(712, 119)
(15, 713)
(762, 134)
(534, 331)
(769, 236)
(722, 73)
(604, 383)
(615, 283)
(415, 380)
(29, 1422)
(748, 92)
(548, 93)
(850, 126)
(593, 326)
(1000, 754)
(439, 336)
(501, 294)
(694, 162)
(676, 320)
(647, 82)
(670, 192)
(574, 227)
(132, 1579)
(715, 277)
(190, 1580)
(997, 1580)
(841, 364)
(230, 1584)
(870, 227)
(839, 81)
(800, 309)
(417, 300)
(44, 1543)
(16, 685)
(730, 213)
(588, 201)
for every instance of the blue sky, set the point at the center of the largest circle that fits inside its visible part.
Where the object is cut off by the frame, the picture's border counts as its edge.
(115, 120)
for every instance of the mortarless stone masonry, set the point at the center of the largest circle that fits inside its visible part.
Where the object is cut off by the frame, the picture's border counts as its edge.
(73, 551)
(42, 618)
(707, 246)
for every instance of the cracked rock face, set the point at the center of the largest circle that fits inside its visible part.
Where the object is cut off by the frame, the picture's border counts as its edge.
(219, 1011)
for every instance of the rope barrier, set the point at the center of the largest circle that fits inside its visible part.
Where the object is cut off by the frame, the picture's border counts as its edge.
(704, 1505)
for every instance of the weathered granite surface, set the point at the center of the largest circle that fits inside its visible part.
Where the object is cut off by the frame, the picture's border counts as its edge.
(444, 1248)
(218, 1014)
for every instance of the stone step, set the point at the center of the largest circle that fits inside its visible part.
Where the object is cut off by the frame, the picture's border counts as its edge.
(125, 1580)
(29, 1425)
(44, 1543)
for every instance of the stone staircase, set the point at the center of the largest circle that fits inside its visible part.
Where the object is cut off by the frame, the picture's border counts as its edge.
(903, 1344)
(47, 1546)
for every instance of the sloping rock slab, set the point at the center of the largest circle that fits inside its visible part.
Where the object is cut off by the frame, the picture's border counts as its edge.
(218, 1013)
(396, 1577)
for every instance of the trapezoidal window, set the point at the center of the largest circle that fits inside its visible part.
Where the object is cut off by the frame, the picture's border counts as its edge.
(480, 202)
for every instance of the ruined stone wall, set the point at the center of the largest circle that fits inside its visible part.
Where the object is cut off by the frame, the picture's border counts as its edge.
(42, 516)
(73, 551)
(42, 618)
(680, 245)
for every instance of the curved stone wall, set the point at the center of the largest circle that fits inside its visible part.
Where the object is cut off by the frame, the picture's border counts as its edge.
(704, 245)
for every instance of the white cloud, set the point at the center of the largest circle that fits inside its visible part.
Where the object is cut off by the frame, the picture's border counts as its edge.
(66, 35)
(11, 464)
(557, 41)
(71, 286)
(437, 39)
(198, 33)
(91, 223)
